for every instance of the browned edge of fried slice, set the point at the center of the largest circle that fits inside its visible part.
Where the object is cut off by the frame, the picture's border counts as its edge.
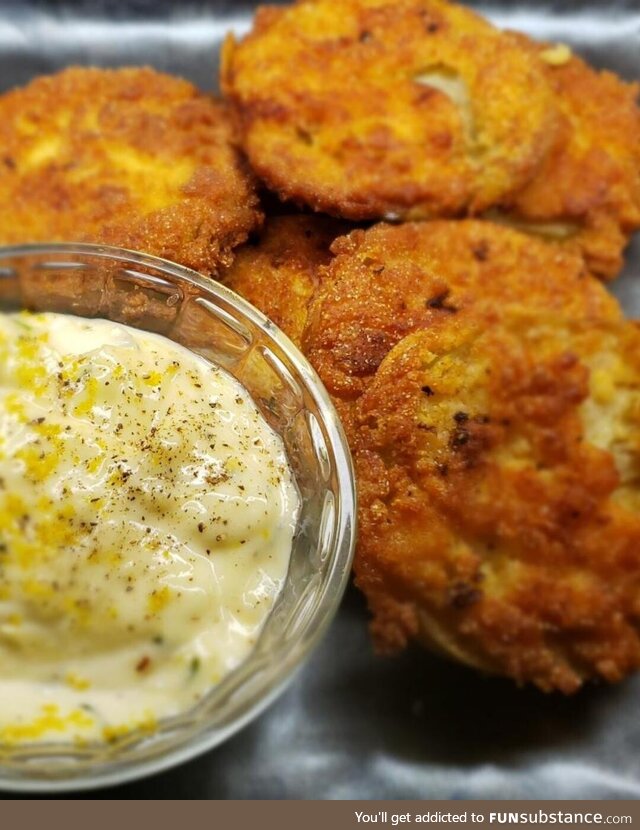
(499, 513)
(391, 280)
(130, 157)
(279, 271)
(413, 109)
(586, 194)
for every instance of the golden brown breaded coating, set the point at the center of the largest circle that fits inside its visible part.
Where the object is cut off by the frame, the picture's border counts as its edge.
(129, 157)
(279, 272)
(587, 192)
(499, 487)
(372, 109)
(391, 280)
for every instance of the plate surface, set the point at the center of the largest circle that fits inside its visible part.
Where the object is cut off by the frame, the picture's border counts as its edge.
(353, 725)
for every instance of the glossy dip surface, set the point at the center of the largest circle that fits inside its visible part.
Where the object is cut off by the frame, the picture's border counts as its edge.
(146, 518)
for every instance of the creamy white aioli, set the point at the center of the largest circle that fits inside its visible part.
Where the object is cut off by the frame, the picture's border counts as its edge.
(146, 517)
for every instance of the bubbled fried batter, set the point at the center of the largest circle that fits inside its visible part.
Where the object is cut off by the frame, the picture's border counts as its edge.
(373, 109)
(391, 280)
(279, 271)
(129, 157)
(499, 487)
(587, 192)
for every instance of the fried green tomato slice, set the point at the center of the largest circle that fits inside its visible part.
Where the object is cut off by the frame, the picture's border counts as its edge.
(129, 157)
(391, 280)
(587, 192)
(499, 474)
(279, 271)
(371, 109)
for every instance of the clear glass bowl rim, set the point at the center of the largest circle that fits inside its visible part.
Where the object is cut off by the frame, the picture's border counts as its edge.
(345, 537)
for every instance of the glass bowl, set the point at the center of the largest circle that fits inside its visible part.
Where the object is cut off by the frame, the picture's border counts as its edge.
(152, 294)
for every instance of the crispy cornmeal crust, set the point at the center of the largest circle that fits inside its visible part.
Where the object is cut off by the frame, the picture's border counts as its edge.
(373, 109)
(129, 157)
(279, 271)
(498, 474)
(587, 192)
(394, 279)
